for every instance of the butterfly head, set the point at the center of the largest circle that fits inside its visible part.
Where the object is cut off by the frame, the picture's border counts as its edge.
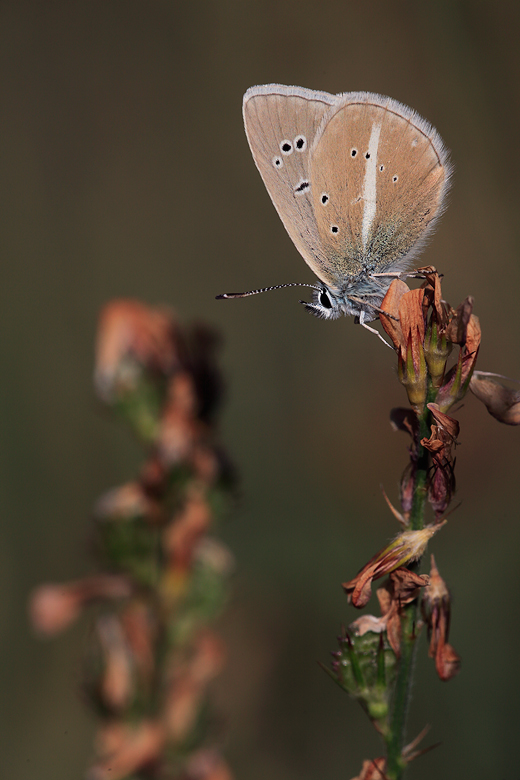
(324, 304)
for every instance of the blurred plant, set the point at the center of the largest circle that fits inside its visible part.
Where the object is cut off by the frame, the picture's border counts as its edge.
(376, 657)
(163, 580)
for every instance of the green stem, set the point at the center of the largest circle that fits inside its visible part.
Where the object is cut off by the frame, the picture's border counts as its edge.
(401, 696)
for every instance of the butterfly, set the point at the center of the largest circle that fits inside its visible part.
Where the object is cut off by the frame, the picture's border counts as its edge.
(359, 181)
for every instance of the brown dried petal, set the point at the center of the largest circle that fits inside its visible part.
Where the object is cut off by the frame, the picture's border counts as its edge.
(141, 632)
(441, 486)
(393, 632)
(116, 684)
(404, 419)
(438, 306)
(405, 548)
(183, 533)
(128, 327)
(54, 607)
(126, 503)
(130, 749)
(437, 589)
(447, 662)
(362, 589)
(435, 443)
(373, 770)
(385, 599)
(446, 424)
(456, 330)
(189, 683)
(411, 316)
(390, 304)
(405, 584)
(473, 335)
(502, 402)
(207, 765)
(179, 429)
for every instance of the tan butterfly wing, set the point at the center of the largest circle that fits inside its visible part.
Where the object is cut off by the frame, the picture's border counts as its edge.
(281, 123)
(379, 175)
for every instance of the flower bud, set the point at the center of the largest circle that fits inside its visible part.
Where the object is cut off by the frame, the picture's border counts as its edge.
(437, 349)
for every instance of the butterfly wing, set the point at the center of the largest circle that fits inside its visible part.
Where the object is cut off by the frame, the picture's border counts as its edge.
(281, 124)
(379, 174)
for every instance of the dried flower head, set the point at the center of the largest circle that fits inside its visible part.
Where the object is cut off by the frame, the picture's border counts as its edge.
(405, 548)
(436, 606)
(130, 335)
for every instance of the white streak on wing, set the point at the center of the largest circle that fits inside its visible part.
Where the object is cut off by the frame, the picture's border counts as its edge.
(369, 184)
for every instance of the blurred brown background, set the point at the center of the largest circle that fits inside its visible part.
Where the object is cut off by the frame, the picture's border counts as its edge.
(125, 172)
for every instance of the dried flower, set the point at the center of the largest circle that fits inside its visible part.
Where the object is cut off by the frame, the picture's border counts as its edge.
(190, 676)
(54, 607)
(124, 749)
(436, 606)
(441, 482)
(132, 334)
(502, 402)
(408, 337)
(463, 329)
(373, 770)
(405, 548)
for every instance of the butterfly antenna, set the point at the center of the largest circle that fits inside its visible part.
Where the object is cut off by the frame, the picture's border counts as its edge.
(266, 289)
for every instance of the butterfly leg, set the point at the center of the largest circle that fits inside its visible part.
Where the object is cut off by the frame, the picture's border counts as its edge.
(372, 330)
(417, 273)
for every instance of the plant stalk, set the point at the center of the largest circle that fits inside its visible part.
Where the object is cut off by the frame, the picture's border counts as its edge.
(395, 740)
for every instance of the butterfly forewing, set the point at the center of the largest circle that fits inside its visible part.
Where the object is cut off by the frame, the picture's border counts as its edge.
(281, 123)
(378, 177)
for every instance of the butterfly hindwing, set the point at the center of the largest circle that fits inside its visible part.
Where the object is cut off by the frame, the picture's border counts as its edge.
(378, 176)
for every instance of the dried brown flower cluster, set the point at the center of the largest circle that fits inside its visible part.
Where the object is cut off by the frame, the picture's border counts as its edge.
(151, 651)
(425, 331)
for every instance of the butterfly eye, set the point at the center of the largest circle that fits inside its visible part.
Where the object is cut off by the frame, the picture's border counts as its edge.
(325, 300)
(277, 162)
(286, 147)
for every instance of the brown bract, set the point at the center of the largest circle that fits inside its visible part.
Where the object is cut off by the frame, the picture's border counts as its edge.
(502, 402)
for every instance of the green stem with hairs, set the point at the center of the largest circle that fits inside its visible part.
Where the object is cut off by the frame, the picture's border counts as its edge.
(395, 739)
